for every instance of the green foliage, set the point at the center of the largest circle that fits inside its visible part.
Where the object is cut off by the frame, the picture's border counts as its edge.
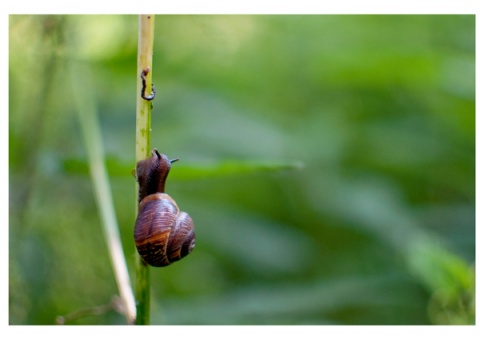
(328, 163)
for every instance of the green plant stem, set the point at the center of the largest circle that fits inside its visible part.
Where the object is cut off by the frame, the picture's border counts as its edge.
(143, 114)
(87, 113)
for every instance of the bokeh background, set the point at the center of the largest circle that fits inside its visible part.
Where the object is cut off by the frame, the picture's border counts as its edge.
(328, 163)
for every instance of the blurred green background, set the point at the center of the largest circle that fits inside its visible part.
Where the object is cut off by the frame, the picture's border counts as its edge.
(370, 221)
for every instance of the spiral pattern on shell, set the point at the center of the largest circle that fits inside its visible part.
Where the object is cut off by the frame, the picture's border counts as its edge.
(163, 234)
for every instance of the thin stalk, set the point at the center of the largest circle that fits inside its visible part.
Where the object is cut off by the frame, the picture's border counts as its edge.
(143, 114)
(87, 113)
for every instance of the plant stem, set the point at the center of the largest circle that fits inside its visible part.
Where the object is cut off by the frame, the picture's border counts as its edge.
(144, 109)
(90, 127)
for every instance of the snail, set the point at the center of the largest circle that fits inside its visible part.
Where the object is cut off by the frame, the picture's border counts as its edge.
(163, 234)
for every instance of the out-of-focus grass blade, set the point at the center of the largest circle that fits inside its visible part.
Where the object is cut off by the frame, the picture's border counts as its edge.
(114, 166)
(191, 171)
(231, 167)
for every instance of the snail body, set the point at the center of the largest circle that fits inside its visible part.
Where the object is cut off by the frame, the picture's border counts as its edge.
(163, 234)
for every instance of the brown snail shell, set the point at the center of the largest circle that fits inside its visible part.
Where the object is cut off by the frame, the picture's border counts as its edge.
(163, 234)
